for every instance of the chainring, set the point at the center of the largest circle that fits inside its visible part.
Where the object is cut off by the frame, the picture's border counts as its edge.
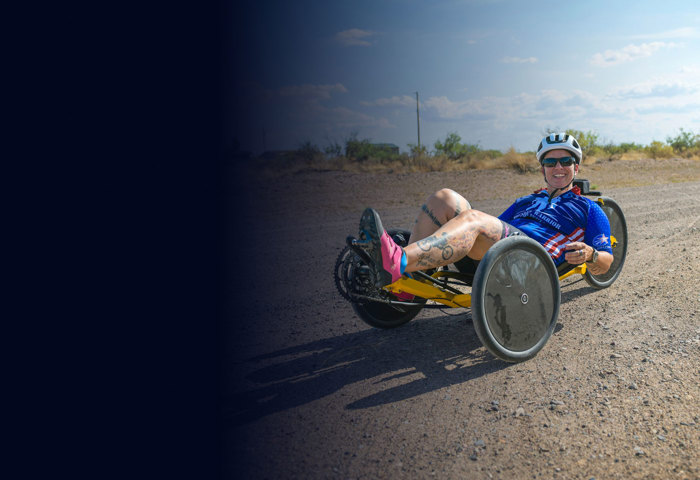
(353, 278)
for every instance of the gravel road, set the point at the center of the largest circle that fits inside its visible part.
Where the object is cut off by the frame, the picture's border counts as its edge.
(311, 392)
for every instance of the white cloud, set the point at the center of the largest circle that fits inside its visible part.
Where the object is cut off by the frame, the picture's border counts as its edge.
(546, 104)
(354, 37)
(683, 32)
(691, 69)
(657, 89)
(629, 53)
(636, 113)
(402, 101)
(443, 107)
(519, 60)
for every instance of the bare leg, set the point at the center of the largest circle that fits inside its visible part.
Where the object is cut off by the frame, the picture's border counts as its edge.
(438, 209)
(462, 233)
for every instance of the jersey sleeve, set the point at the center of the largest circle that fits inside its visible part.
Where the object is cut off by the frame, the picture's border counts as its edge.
(598, 229)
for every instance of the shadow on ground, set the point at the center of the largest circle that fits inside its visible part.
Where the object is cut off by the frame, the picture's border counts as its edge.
(434, 353)
(420, 357)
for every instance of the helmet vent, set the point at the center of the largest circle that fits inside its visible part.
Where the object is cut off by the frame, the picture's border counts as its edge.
(560, 140)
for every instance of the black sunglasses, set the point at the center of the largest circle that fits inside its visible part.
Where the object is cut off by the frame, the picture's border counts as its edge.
(552, 162)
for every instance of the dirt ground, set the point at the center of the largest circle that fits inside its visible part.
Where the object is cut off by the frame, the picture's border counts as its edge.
(311, 392)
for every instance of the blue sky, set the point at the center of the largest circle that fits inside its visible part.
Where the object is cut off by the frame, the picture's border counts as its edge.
(499, 73)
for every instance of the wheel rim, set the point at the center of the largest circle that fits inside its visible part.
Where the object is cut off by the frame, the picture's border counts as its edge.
(618, 230)
(518, 304)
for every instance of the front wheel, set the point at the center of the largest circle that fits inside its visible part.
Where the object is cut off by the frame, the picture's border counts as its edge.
(515, 299)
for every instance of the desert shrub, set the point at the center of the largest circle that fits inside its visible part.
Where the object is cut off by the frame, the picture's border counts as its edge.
(363, 150)
(333, 150)
(308, 152)
(659, 150)
(416, 150)
(432, 163)
(588, 141)
(489, 153)
(684, 142)
(519, 161)
(452, 147)
(355, 149)
(612, 149)
(483, 163)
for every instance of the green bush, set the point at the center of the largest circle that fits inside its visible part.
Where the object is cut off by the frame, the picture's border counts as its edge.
(452, 147)
(684, 141)
(417, 150)
(588, 141)
(363, 150)
(355, 149)
(659, 150)
(308, 152)
(611, 149)
(333, 150)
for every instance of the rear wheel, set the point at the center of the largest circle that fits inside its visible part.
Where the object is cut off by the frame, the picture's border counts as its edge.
(515, 299)
(380, 315)
(355, 281)
(618, 232)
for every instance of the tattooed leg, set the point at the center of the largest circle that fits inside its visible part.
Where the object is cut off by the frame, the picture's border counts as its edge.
(438, 209)
(430, 214)
(470, 233)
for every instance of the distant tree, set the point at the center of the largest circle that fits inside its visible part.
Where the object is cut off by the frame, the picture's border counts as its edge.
(684, 141)
(416, 150)
(588, 140)
(308, 151)
(333, 150)
(659, 150)
(357, 149)
(453, 148)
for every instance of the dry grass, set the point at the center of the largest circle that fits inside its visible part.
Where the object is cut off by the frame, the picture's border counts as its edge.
(404, 163)
(633, 155)
(519, 161)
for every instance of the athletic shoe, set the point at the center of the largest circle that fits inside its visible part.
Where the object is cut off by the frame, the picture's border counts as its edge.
(386, 255)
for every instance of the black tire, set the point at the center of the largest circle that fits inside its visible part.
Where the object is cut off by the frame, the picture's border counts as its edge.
(515, 299)
(618, 229)
(383, 315)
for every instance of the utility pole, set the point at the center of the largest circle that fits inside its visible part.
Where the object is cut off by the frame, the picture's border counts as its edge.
(418, 119)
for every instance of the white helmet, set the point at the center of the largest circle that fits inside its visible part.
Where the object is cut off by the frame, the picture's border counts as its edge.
(557, 141)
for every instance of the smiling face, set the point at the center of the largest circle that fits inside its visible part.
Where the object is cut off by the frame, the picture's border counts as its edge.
(558, 176)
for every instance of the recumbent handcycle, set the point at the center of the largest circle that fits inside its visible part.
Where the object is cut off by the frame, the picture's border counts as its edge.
(515, 289)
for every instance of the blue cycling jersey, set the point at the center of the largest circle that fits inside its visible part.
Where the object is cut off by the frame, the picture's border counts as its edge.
(556, 223)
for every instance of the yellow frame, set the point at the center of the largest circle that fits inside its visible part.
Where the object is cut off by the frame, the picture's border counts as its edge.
(424, 289)
(430, 291)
